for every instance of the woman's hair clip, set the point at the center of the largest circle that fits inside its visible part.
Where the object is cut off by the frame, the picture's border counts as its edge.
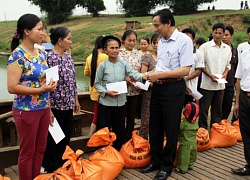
(16, 34)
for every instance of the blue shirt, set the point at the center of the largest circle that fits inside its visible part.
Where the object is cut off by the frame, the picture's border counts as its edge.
(175, 52)
(33, 76)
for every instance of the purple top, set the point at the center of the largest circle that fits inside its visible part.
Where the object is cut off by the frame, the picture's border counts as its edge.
(63, 98)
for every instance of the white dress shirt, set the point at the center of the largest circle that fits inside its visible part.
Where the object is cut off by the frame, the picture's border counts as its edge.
(217, 59)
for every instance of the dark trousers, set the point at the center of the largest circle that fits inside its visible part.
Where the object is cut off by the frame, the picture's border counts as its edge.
(52, 159)
(165, 115)
(227, 101)
(113, 117)
(244, 119)
(213, 99)
(131, 108)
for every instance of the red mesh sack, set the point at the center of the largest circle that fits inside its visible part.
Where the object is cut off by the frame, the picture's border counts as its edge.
(237, 127)
(203, 140)
(136, 152)
(223, 134)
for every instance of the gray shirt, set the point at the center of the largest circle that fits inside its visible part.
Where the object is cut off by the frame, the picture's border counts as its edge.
(109, 72)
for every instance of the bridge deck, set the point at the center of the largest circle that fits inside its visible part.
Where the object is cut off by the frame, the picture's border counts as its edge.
(211, 164)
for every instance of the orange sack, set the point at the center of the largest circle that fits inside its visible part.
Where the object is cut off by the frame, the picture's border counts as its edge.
(78, 168)
(108, 158)
(223, 134)
(136, 152)
(52, 176)
(237, 127)
(203, 140)
(4, 177)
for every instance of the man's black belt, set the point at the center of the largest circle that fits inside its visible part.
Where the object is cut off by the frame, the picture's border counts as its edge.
(168, 80)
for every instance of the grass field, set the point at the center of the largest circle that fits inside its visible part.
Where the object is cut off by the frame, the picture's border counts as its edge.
(86, 28)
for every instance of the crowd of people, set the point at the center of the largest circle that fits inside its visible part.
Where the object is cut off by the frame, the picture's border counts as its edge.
(176, 66)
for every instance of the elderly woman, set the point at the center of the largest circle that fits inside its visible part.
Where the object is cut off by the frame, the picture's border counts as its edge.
(111, 112)
(64, 100)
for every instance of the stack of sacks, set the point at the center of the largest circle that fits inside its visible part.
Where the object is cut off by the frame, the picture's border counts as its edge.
(108, 158)
(136, 152)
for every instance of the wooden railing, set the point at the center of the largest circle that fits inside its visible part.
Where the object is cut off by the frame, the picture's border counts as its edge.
(9, 151)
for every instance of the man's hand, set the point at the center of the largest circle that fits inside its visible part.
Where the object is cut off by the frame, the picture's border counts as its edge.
(152, 77)
(188, 90)
(213, 77)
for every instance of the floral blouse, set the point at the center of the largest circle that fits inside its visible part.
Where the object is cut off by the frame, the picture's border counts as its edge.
(33, 76)
(63, 98)
(134, 60)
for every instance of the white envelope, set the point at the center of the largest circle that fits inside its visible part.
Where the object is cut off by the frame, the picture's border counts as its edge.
(142, 86)
(196, 94)
(120, 87)
(56, 132)
(52, 73)
(220, 80)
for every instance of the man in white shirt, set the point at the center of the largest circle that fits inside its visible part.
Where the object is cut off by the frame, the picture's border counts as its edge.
(245, 45)
(242, 107)
(195, 71)
(217, 56)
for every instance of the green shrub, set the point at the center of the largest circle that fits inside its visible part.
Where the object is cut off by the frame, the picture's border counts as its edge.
(205, 27)
(195, 28)
(246, 19)
(209, 21)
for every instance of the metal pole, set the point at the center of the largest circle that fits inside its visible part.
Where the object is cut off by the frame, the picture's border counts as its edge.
(5, 19)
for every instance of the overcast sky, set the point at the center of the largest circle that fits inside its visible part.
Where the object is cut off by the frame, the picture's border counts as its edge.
(13, 9)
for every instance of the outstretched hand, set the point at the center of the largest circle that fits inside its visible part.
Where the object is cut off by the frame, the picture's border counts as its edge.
(130, 80)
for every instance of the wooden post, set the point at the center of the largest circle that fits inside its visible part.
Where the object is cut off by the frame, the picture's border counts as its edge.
(1, 136)
(13, 134)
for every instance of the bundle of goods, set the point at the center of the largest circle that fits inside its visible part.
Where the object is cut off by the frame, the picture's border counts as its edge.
(136, 152)
(53, 176)
(78, 168)
(223, 134)
(203, 140)
(108, 158)
(4, 177)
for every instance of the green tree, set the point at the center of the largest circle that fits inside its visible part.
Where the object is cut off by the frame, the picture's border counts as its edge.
(58, 11)
(138, 7)
(143, 7)
(182, 7)
(95, 6)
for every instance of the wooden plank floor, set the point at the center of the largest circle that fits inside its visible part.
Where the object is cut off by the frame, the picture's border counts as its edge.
(214, 164)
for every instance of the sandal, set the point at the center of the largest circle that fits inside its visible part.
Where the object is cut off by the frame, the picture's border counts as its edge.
(180, 171)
